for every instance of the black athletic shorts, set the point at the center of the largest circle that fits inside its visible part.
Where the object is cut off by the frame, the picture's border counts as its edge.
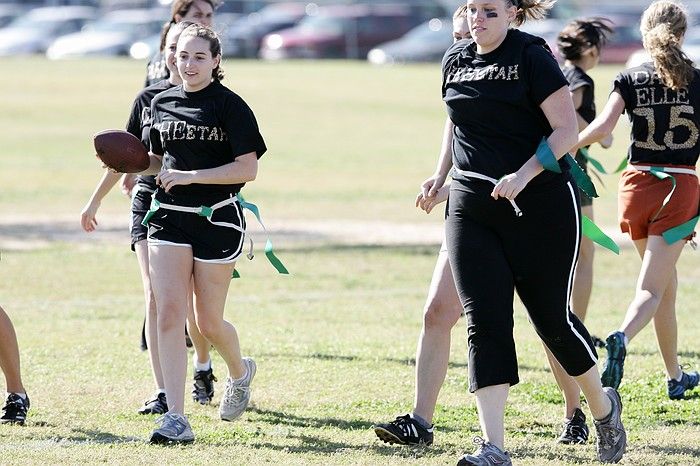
(140, 203)
(209, 242)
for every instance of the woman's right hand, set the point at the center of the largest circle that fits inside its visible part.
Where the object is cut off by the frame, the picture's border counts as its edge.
(428, 203)
(430, 187)
(88, 218)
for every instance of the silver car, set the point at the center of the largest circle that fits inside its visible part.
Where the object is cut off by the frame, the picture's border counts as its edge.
(34, 31)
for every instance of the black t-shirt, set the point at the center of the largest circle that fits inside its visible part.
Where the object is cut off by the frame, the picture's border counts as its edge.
(664, 122)
(578, 79)
(139, 123)
(156, 70)
(204, 129)
(493, 100)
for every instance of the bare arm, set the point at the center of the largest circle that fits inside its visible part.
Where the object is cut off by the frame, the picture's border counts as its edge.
(243, 169)
(88, 218)
(155, 166)
(430, 186)
(560, 113)
(604, 123)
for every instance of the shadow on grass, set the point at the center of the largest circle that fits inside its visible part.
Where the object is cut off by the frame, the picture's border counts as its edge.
(343, 358)
(674, 450)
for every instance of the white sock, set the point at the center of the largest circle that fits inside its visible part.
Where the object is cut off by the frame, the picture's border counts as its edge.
(21, 395)
(198, 366)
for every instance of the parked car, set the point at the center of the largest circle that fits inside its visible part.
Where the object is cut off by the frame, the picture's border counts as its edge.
(112, 34)
(34, 31)
(340, 31)
(626, 37)
(146, 48)
(9, 12)
(424, 43)
(243, 37)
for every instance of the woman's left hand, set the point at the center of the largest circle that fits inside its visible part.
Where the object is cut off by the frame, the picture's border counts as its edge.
(510, 186)
(168, 178)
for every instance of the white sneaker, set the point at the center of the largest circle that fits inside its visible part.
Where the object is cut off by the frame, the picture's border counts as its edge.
(237, 393)
(174, 428)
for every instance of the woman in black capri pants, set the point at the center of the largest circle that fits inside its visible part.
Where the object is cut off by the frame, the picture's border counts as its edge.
(514, 216)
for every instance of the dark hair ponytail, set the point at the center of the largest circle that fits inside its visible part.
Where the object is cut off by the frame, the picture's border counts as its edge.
(582, 34)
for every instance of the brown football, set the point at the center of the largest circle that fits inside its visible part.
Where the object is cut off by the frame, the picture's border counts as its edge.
(121, 151)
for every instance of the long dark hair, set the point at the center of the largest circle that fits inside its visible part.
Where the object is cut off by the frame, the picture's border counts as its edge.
(582, 34)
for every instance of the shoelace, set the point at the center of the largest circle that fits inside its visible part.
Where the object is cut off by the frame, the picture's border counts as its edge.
(13, 406)
(607, 436)
(234, 394)
(572, 430)
(402, 423)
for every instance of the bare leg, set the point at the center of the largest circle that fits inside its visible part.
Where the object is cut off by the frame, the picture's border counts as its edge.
(665, 325)
(211, 282)
(9, 355)
(201, 345)
(171, 271)
(491, 405)
(441, 313)
(567, 384)
(598, 401)
(141, 248)
(658, 267)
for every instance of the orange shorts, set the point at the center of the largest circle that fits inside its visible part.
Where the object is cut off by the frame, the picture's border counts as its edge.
(640, 197)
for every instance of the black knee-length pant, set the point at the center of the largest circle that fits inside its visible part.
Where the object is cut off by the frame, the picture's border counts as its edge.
(492, 253)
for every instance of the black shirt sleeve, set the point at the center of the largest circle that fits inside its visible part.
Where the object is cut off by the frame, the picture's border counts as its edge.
(242, 128)
(622, 85)
(543, 73)
(154, 134)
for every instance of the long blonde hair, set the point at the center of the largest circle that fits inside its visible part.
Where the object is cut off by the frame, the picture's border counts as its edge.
(663, 26)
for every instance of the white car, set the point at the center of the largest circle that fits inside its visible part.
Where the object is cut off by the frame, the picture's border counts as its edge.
(33, 31)
(112, 34)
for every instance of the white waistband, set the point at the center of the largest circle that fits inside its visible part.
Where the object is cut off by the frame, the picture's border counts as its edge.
(494, 181)
(648, 168)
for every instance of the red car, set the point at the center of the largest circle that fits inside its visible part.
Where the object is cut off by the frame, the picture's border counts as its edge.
(340, 31)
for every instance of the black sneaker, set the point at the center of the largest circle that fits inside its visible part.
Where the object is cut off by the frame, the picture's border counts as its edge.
(677, 389)
(203, 387)
(615, 363)
(575, 429)
(158, 405)
(404, 430)
(15, 409)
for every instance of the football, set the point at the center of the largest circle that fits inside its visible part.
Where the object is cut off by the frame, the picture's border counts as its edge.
(121, 151)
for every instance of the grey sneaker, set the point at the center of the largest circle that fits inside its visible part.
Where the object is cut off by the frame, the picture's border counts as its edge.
(174, 428)
(237, 393)
(486, 454)
(612, 438)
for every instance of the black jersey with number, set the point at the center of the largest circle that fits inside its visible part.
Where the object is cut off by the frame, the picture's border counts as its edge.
(203, 129)
(578, 79)
(664, 122)
(156, 70)
(139, 123)
(494, 100)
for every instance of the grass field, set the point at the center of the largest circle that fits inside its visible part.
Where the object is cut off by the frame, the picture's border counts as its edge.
(334, 342)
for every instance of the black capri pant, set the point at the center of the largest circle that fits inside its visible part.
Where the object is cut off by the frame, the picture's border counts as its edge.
(493, 253)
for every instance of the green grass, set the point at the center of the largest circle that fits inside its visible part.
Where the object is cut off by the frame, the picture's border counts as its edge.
(346, 140)
(335, 342)
(335, 346)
